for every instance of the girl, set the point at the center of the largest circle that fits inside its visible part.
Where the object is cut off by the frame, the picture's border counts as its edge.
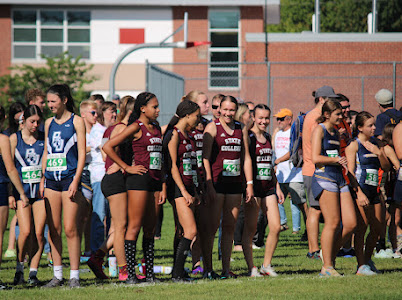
(329, 186)
(144, 181)
(397, 141)
(181, 155)
(265, 195)
(364, 160)
(62, 164)
(27, 149)
(7, 172)
(225, 157)
(114, 189)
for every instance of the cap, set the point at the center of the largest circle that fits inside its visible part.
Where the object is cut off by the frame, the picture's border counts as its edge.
(283, 112)
(116, 97)
(325, 91)
(384, 97)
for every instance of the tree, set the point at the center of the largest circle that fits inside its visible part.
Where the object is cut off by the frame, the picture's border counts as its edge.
(63, 68)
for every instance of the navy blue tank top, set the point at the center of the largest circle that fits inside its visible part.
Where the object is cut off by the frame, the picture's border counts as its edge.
(62, 151)
(3, 172)
(367, 166)
(28, 161)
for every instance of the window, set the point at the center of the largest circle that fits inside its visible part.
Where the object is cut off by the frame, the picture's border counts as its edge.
(50, 32)
(224, 50)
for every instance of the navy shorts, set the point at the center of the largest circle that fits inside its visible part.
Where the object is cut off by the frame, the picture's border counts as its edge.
(398, 192)
(113, 184)
(4, 194)
(60, 186)
(18, 198)
(143, 183)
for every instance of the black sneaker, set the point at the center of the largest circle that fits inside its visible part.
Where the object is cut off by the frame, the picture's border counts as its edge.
(74, 283)
(53, 283)
(211, 275)
(314, 255)
(19, 278)
(33, 281)
(132, 280)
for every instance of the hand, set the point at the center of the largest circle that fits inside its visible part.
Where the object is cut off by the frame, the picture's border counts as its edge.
(362, 200)
(371, 147)
(72, 189)
(197, 199)
(343, 161)
(341, 131)
(138, 169)
(162, 195)
(249, 193)
(276, 162)
(280, 195)
(12, 204)
(42, 188)
(189, 199)
(25, 200)
(113, 169)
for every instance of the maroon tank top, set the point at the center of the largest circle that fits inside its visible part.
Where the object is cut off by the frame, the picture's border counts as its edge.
(261, 157)
(226, 154)
(106, 136)
(184, 159)
(148, 150)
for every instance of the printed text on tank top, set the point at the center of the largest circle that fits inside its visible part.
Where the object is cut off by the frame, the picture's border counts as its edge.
(367, 165)
(185, 158)
(330, 146)
(197, 137)
(263, 158)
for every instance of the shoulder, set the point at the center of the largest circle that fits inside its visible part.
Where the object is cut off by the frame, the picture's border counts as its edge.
(3, 137)
(211, 126)
(48, 121)
(14, 137)
(78, 121)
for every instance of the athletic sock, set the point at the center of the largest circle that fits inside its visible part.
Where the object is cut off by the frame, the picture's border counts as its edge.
(176, 242)
(33, 272)
(58, 272)
(130, 249)
(148, 249)
(182, 252)
(20, 267)
(75, 274)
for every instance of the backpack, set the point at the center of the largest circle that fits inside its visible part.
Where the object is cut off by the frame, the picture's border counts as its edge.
(394, 119)
(296, 152)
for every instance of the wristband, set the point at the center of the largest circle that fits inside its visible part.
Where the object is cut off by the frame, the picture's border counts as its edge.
(250, 182)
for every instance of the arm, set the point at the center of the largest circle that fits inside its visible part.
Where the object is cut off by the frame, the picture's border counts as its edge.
(13, 143)
(44, 160)
(208, 140)
(282, 158)
(397, 140)
(390, 153)
(385, 165)
(10, 167)
(172, 146)
(248, 167)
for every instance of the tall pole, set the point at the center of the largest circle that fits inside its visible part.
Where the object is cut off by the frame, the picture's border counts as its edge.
(374, 17)
(317, 16)
(266, 29)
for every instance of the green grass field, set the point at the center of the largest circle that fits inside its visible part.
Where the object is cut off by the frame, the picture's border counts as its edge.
(298, 277)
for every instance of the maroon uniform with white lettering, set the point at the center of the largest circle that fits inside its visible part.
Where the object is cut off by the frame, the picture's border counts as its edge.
(148, 150)
(184, 159)
(261, 157)
(226, 155)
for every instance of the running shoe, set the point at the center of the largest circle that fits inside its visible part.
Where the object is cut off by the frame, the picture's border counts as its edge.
(96, 265)
(255, 247)
(10, 253)
(268, 271)
(211, 275)
(19, 278)
(123, 273)
(314, 255)
(254, 273)
(284, 227)
(383, 254)
(33, 281)
(228, 275)
(364, 270)
(53, 283)
(397, 254)
(197, 270)
(74, 283)
(372, 267)
(329, 272)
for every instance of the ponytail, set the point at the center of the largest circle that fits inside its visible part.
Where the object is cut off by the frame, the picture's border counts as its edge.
(63, 91)
(184, 108)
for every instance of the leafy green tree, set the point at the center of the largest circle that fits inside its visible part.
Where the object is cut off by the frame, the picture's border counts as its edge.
(389, 16)
(63, 68)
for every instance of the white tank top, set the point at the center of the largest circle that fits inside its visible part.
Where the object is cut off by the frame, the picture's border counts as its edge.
(285, 172)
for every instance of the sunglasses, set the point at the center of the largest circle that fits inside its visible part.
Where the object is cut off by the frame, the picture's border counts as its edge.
(345, 107)
(281, 119)
(215, 106)
(93, 112)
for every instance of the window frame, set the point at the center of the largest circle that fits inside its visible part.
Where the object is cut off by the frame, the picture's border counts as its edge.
(224, 49)
(38, 27)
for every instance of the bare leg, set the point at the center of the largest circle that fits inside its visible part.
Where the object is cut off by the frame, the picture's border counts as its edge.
(375, 220)
(312, 226)
(39, 214)
(118, 211)
(270, 207)
(251, 210)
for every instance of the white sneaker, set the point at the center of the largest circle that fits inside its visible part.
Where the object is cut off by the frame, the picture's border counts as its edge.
(365, 271)
(384, 254)
(254, 273)
(397, 254)
(255, 247)
(268, 271)
(371, 264)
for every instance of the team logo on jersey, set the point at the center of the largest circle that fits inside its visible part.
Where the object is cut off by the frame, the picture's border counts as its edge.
(148, 134)
(258, 146)
(31, 157)
(57, 141)
(223, 135)
(67, 125)
(184, 142)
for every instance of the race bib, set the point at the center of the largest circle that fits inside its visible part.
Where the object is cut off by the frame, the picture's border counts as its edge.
(31, 174)
(199, 158)
(332, 153)
(195, 178)
(371, 177)
(231, 167)
(155, 161)
(187, 167)
(264, 171)
(56, 162)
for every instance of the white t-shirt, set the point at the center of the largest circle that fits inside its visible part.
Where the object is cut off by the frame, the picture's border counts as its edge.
(97, 165)
(285, 172)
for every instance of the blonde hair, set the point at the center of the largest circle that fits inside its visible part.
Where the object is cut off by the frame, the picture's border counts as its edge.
(127, 104)
(241, 110)
(87, 103)
(193, 96)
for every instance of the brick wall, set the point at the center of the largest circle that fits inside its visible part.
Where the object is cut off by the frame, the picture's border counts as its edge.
(5, 40)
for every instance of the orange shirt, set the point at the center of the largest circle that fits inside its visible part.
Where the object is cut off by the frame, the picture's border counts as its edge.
(346, 136)
(310, 122)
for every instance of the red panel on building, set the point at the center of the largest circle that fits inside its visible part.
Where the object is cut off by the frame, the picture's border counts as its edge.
(132, 35)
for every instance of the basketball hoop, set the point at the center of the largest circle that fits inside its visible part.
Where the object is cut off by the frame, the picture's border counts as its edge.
(201, 48)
